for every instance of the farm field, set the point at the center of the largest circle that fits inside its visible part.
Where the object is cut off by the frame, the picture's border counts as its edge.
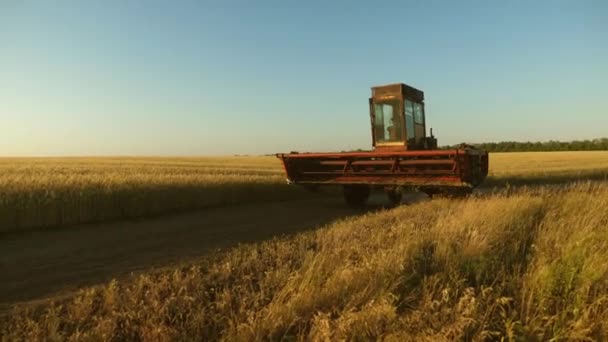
(248, 172)
(521, 262)
(520, 168)
(525, 264)
(49, 192)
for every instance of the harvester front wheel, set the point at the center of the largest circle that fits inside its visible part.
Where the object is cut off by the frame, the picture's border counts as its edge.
(356, 195)
(461, 193)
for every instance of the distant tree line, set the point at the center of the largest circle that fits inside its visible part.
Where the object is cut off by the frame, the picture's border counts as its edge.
(551, 145)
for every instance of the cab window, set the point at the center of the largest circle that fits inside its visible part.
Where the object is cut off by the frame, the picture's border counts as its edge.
(418, 113)
(388, 122)
(409, 119)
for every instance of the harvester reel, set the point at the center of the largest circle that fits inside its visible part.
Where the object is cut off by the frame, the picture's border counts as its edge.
(356, 195)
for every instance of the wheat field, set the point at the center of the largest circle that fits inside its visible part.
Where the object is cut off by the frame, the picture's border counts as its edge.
(528, 264)
(547, 167)
(48, 192)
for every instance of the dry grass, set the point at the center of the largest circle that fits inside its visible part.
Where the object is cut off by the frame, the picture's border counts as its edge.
(519, 265)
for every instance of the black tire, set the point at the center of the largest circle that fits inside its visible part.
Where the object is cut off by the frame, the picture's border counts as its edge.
(449, 193)
(356, 195)
(394, 196)
(312, 187)
(464, 193)
(430, 192)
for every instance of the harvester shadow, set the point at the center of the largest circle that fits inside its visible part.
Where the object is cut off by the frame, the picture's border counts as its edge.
(502, 185)
(42, 263)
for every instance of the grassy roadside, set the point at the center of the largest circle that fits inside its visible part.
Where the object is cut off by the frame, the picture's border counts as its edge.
(526, 265)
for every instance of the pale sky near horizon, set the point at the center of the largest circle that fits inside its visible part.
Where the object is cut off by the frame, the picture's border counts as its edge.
(240, 77)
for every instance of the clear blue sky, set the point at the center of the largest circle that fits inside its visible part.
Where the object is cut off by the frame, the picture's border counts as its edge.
(224, 77)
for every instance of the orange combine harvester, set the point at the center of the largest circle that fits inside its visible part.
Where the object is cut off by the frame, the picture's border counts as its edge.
(403, 156)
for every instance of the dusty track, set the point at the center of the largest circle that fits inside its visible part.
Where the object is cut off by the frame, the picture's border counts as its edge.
(38, 264)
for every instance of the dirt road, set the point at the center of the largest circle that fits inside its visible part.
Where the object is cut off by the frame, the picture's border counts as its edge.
(39, 264)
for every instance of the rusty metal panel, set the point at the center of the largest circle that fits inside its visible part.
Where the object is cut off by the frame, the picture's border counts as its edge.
(371, 154)
(428, 168)
(398, 90)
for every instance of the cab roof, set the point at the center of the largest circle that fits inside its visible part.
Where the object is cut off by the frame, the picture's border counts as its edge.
(400, 90)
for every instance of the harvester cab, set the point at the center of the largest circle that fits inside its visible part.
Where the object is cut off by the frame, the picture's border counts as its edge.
(403, 156)
(398, 120)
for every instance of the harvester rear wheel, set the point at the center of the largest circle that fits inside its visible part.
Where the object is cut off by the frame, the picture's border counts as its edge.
(312, 187)
(430, 192)
(462, 193)
(448, 193)
(459, 193)
(356, 195)
(394, 196)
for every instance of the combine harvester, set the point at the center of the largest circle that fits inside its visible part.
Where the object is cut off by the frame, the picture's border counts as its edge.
(402, 157)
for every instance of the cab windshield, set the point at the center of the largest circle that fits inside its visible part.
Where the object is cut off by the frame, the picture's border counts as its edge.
(388, 121)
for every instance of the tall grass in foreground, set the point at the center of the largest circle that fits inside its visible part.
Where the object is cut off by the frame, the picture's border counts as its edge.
(529, 265)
